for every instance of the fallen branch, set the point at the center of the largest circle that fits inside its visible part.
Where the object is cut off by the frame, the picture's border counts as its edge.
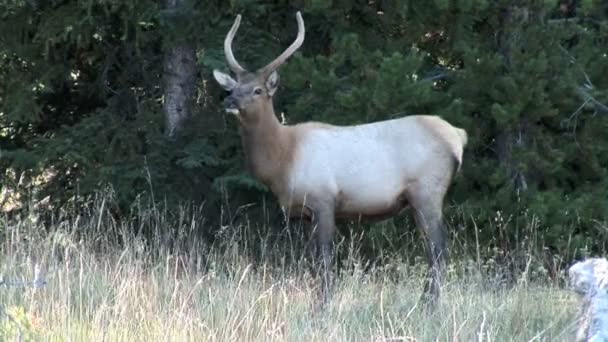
(38, 281)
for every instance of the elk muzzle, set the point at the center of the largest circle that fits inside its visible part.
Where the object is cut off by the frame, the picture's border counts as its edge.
(231, 105)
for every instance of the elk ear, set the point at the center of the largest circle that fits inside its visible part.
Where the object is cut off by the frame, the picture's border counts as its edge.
(272, 83)
(224, 80)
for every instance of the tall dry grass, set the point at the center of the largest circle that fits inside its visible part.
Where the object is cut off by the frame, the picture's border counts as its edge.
(87, 277)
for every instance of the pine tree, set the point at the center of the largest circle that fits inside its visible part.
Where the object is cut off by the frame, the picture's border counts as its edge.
(82, 85)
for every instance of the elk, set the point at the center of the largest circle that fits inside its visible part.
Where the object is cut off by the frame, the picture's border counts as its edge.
(323, 173)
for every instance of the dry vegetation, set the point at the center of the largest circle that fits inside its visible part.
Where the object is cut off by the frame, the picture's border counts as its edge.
(104, 283)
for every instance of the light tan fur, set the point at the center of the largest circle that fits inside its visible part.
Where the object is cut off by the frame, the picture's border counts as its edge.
(279, 144)
(454, 139)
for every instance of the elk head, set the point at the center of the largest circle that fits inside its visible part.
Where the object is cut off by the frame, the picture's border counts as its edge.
(251, 92)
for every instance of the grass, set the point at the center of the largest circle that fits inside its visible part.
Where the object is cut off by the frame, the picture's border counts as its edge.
(105, 283)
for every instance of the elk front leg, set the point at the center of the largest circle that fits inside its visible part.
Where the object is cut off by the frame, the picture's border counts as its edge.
(325, 228)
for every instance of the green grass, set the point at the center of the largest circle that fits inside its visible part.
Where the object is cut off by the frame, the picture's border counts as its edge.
(104, 283)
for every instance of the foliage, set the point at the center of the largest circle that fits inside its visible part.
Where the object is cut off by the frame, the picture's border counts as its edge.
(81, 100)
(17, 324)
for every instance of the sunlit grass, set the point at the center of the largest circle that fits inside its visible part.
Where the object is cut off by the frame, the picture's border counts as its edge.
(104, 283)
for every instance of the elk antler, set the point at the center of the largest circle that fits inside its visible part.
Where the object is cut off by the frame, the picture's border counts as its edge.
(232, 63)
(272, 66)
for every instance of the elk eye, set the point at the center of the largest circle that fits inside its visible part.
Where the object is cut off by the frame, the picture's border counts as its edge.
(257, 91)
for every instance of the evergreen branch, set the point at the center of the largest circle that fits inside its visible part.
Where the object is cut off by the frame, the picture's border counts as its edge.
(574, 116)
(589, 98)
(583, 90)
(438, 76)
(574, 20)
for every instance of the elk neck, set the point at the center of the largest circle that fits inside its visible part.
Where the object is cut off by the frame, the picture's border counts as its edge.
(269, 147)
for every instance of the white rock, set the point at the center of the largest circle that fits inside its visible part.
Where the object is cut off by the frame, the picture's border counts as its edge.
(589, 278)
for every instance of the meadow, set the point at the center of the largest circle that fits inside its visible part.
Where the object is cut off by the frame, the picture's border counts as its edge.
(88, 277)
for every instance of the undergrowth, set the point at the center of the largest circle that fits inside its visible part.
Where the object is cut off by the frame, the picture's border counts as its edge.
(88, 276)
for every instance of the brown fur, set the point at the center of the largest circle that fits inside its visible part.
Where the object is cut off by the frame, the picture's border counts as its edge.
(269, 149)
(374, 214)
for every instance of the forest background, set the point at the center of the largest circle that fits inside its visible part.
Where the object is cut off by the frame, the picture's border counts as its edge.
(119, 95)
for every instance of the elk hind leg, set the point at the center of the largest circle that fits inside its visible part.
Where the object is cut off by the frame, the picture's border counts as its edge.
(428, 215)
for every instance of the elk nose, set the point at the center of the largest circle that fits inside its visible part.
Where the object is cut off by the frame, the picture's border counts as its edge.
(230, 103)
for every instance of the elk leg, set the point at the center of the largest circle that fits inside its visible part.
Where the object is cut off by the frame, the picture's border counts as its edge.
(429, 221)
(325, 228)
(436, 255)
(434, 234)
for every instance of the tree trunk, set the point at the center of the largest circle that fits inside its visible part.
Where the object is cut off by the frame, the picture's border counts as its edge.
(506, 141)
(179, 69)
(507, 39)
